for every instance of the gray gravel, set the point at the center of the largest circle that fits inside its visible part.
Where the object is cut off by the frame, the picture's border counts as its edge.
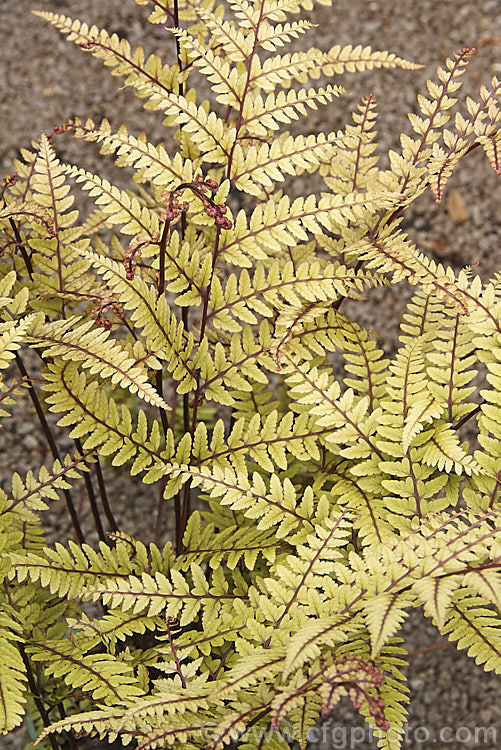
(45, 80)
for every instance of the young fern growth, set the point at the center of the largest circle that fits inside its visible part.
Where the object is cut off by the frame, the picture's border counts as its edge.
(329, 500)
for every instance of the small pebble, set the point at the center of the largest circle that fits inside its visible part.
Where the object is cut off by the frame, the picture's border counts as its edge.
(30, 442)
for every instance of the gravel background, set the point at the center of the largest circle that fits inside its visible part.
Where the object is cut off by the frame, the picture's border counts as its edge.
(44, 80)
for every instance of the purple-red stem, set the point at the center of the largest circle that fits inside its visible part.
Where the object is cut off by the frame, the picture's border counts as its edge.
(53, 447)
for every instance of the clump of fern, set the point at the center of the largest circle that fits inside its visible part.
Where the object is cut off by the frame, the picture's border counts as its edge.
(312, 511)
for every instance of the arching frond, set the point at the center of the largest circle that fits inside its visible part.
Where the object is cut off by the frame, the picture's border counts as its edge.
(117, 54)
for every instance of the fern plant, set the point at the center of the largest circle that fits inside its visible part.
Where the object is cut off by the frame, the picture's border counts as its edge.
(328, 489)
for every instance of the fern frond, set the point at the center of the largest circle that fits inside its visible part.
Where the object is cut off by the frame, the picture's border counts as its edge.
(355, 163)
(265, 439)
(369, 509)
(364, 360)
(384, 614)
(485, 582)
(351, 59)
(117, 54)
(229, 370)
(347, 417)
(226, 34)
(410, 406)
(323, 333)
(444, 451)
(277, 506)
(30, 495)
(423, 319)
(475, 627)
(350, 675)
(408, 170)
(103, 677)
(270, 36)
(66, 572)
(94, 223)
(163, 335)
(392, 252)
(77, 341)
(12, 335)
(393, 691)
(261, 166)
(92, 413)
(55, 244)
(280, 70)
(448, 543)
(492, 149)
(176, 598)
(152, 163)
(104, 721)
(13, 686)
(232, 545)
(437, 107)
(118, 205)
(332, 500)
(115, 626)
(48, 187)
(294, 575)
(485, 323)
(262, 115)
(211, 136)
(277, 224)
(8, 395)
(436, 593)
(480, 128)
(227, 80)
(420, 413)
